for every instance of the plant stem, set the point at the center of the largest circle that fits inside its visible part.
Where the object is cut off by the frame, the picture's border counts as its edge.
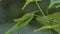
(40, 8)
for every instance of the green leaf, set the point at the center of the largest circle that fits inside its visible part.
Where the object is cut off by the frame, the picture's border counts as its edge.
(56, 5)
(55, 20)
(21, 22)
(53, 3)
(56, 16)
(47, 27)
(28, 2)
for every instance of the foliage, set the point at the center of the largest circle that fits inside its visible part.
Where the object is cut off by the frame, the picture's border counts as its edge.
(51, 21)
(54, 3)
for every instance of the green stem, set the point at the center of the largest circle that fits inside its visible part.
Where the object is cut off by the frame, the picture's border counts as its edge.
(40, 8)
(25, 5)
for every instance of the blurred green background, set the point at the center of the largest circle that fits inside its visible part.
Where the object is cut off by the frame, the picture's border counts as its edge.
(11, 9)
